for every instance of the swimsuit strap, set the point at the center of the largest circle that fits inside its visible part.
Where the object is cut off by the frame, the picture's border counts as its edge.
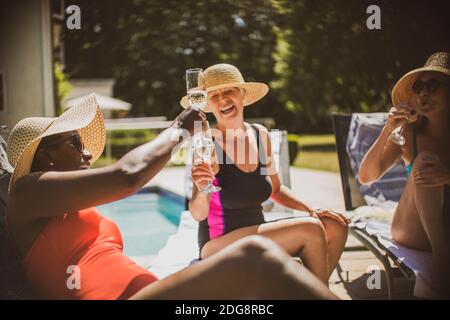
(224, 157)
(261, 150)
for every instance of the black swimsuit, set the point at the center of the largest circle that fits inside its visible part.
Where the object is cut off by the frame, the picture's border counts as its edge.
(238, 204)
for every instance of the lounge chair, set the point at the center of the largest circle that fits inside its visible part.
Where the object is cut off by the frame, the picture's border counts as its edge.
(398, 261)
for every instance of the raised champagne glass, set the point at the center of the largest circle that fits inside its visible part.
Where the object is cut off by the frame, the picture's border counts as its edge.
(203, 143)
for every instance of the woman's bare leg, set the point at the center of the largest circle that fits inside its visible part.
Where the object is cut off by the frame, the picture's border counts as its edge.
(407, 228)
(252, 268)
(428, 204)
(337, 237)
(304, 237)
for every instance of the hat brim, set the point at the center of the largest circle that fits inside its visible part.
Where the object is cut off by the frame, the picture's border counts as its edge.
(254, 91)
(402, 91)
(85, 117)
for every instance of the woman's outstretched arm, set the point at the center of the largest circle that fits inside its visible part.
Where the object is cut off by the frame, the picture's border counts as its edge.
(54, 192)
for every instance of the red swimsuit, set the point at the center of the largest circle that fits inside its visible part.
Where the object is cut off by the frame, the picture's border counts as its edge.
(79, 255)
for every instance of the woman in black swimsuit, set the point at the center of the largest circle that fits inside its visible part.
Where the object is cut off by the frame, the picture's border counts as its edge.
(421, 220)
(245, 170)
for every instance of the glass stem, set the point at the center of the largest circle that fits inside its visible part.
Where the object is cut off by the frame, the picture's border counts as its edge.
(402, 128)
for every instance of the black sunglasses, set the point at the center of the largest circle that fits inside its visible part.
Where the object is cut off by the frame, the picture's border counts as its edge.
(74, 139)
(431, 85)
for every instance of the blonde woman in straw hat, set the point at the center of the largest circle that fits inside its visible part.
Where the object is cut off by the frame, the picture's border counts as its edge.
(245, 170)
(421, 220)
(53, 221)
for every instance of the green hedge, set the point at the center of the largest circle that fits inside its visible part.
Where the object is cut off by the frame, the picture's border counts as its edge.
(123, 141)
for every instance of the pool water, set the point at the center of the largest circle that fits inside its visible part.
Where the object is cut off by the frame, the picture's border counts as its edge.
(146, 220)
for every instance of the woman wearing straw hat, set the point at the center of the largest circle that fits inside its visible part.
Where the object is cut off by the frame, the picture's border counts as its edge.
(421, 220)
(245, 170)
(60, 235)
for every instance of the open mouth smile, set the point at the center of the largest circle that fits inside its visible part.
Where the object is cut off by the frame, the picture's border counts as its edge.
(227, 109)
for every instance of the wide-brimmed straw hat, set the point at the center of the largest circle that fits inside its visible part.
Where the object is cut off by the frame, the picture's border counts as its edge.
(85, 117)
(402, 91)
(225, 75)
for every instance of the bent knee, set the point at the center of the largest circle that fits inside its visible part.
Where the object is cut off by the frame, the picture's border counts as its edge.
(335, 227)
(261, 251)
(256, 243)
(314, 227)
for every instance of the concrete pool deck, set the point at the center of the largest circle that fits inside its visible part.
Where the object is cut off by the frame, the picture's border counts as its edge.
(319, 189)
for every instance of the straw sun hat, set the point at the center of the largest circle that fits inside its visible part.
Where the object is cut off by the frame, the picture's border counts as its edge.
(85, 117)
(402, 91)
(225, 75)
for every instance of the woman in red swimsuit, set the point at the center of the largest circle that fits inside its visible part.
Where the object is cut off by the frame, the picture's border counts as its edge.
(69, 251)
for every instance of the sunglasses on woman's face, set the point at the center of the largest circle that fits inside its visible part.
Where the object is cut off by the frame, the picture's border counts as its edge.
(74, 139)
(431, 85)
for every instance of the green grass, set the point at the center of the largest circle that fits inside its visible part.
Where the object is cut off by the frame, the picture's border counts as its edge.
(179, 158)
(312, 139)
(316, 159)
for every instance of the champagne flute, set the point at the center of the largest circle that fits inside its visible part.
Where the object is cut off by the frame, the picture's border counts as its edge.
(195, 87)
(203, 143)
(397, 135)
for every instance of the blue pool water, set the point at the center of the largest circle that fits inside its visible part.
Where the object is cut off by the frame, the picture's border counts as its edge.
(145, 219)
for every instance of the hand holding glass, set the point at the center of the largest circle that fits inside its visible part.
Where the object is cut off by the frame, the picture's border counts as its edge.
(397, 135)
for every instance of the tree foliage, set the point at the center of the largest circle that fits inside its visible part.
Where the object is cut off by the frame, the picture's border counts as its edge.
(330, 61)
(317, 56)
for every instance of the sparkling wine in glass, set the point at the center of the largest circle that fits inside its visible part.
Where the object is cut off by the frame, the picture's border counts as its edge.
(204, 148)
(195, 85)
(197, 99)
(203, 143)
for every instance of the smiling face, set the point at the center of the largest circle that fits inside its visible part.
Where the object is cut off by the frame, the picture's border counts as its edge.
(227, 105)
(432, 97)
(61, 152)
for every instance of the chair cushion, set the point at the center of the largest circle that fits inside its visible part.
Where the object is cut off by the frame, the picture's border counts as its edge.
(364, 130)
(419, 262)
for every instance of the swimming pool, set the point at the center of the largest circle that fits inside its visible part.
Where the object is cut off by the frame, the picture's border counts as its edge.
(146, 220)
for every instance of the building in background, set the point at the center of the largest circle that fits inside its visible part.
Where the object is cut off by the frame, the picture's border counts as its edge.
(30, 45)
(26, 60)
(103, 89)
